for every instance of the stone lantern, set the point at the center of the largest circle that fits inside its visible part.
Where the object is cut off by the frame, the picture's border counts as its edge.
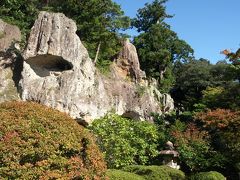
(170, 156)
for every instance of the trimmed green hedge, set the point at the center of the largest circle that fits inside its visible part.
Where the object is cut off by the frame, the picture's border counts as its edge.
(114, 174)
(37, 142)
(212, 175)
(156, 172)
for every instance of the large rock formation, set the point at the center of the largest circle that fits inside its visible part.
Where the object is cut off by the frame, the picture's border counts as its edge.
(128, 63)
(9, 34)
(58, 72)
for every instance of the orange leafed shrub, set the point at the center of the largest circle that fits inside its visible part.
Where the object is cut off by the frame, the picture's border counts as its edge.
(37, 142)
(224, 127)
(191, 134)
(219, 118)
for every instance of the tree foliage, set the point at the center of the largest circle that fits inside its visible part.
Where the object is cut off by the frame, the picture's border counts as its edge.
(191, 79)
(98, 21)
(234, 57)
(158, 46)
(20, 12)
(124, 141)
(198, 83)
(223, 126)
(194, 147)
(151, 14)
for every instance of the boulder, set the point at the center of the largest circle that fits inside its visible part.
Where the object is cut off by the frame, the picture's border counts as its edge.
(9, 34)
(128, 63)
(58, 72)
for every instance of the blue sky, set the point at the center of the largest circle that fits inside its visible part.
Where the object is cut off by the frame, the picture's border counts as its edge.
(209, 26)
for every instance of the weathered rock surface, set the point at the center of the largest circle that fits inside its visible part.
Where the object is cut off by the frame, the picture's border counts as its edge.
(128, 62)
(58, 72)
(8, 35)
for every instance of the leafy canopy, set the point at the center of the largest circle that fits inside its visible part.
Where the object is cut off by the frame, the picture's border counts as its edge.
(151, 14)
(224, 127)
(98, 21)
(158, 46)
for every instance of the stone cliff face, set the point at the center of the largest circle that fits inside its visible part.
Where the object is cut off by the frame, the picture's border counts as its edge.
(128, 62)
(8, 35)
(58, 72)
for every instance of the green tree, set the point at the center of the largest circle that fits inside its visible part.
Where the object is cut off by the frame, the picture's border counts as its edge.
(211, 96)
(193, 145)
(20, 12)
(125, 141)
(98, 21)
(191, 79)
(158, 46)
(224, 127)
(222, 73)
(154, 13)
(198, 85)
(234, 57)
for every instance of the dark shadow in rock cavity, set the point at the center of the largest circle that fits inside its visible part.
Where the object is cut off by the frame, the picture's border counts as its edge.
(131, 115)
(13, 60)
(17, 70)
(43, 65)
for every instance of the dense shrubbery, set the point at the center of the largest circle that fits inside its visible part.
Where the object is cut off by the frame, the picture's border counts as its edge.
(223, 126)
(115, 174)
(194, 147)
(125, 141)
(156, 172)
(37, 142)
(212, 175)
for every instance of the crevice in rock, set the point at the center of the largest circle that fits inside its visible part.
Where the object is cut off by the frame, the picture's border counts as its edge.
(44, 65)
(131, 115)
(17, 70)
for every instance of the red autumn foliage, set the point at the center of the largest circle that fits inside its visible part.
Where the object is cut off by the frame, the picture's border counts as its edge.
(191, 134)
(37, 142)
(219, 118)
(224, 127)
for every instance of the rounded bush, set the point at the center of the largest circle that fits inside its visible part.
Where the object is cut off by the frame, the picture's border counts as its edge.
(37, 142)
(126, 141)
(212, 175)
(156, 172)
(114, 174)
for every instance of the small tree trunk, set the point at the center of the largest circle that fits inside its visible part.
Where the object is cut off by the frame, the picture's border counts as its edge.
(98, 49)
